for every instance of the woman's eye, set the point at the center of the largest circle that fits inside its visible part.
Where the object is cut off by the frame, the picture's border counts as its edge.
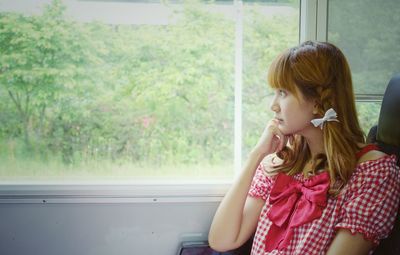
(282, 92)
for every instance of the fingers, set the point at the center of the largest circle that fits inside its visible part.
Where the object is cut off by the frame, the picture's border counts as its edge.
(291, 140)
(272, 139)
(281, 138)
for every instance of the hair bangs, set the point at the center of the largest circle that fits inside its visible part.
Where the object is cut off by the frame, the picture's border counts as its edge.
(280, 75)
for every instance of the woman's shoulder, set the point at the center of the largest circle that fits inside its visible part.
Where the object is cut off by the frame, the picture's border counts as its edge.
(263, 179)
(376, 172)
(269, 164)
(373, 164)
(371, 155)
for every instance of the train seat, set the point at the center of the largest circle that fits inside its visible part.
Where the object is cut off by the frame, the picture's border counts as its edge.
(387, 136)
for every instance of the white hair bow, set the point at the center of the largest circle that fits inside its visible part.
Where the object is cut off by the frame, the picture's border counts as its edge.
(330, 115)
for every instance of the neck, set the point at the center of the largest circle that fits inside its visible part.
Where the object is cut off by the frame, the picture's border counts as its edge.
(315, 143)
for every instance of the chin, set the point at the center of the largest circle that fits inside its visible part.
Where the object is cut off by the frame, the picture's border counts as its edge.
(286, 132)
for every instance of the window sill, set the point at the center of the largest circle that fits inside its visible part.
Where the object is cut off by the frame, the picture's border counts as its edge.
(132, 192)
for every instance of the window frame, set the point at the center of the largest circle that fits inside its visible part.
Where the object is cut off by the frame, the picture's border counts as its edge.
(313, 19)
(133, 192)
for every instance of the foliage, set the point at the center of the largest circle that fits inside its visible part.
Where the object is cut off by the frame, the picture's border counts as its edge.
(81, 93)
(77, 96)
(366, 32)
(369, 36)
(42, 58)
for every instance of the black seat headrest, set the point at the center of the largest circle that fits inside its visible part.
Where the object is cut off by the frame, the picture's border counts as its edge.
(388, 129)
(387, 135)
(389, 118)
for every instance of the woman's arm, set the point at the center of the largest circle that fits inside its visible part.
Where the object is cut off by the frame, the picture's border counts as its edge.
(346, 243)
(237, 215)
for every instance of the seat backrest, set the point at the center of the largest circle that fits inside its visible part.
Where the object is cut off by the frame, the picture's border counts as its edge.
(387, 133)
(387, 136)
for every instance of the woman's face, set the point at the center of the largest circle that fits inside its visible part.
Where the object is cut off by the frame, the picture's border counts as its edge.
(294, 114)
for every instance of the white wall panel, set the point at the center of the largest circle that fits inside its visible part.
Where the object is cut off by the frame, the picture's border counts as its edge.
(101, 229)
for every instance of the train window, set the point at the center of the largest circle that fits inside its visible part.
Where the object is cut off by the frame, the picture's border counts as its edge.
(128, 90)
(368, 112)
(367, 33)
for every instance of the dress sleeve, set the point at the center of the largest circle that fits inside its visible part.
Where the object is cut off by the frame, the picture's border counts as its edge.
(261, 184)
(372, 200)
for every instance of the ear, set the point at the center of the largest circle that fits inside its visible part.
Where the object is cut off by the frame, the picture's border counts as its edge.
(315, 110)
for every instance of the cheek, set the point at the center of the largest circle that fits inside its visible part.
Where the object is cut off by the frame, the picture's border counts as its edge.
(299, 118)
(307, 111)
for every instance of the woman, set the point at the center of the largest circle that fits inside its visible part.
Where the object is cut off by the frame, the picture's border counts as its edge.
(310, 185)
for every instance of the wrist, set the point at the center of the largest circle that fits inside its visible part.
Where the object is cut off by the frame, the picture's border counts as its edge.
(257, 154)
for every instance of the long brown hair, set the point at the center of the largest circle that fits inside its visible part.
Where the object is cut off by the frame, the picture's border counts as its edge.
(320, 71)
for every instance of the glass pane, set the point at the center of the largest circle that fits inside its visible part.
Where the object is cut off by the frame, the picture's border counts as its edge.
(368, 114)
(369, 34)
(128, 90)
(269, 28)
(116, 90)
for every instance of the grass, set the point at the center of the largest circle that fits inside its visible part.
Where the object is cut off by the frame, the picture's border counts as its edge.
(25, 169)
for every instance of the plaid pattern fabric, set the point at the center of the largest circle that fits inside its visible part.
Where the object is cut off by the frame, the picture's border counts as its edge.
(367, 205)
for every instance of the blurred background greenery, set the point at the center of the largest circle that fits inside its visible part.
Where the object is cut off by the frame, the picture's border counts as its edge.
(86, 100)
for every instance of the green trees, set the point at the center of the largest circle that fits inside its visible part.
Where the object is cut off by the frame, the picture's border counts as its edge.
(368, 33)
(81, 93)
(90, 96)
(97, 98)
(42, 59)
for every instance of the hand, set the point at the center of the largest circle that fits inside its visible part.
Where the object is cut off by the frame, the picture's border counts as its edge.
(272, 140)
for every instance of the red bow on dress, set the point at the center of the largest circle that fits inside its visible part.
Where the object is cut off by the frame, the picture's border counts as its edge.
(294, 203)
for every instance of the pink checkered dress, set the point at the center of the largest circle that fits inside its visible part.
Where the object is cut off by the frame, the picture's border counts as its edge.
(367, 205)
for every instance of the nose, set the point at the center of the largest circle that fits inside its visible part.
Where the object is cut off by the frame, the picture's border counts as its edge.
(274, 106)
